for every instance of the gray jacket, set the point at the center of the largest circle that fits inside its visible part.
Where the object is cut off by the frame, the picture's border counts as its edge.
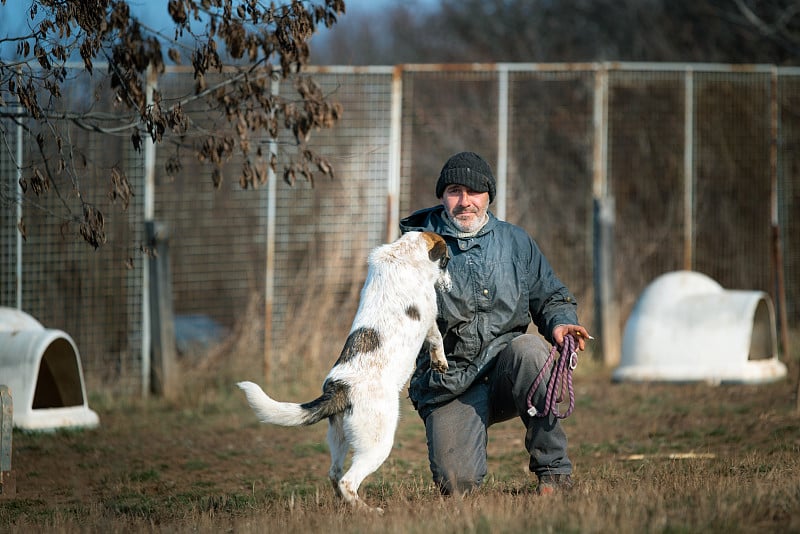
(501, 281)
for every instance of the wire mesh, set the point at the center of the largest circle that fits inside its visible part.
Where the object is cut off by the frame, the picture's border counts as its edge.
(646, 177)
(9, 234)
(94, 295)
(550, 172)
(324, 231)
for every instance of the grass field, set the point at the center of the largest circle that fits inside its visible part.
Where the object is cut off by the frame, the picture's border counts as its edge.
(648, 458)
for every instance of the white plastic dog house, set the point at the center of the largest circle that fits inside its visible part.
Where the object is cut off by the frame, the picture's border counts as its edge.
(42, 369)
(685, 327)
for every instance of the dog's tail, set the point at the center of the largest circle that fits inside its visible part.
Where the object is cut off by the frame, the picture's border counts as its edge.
(334, 399)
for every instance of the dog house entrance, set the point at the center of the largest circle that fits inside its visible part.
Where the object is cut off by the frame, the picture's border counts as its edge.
(761, 342)
(58, 361)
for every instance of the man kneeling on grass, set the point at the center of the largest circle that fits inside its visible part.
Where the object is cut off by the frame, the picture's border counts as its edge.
(500, 282)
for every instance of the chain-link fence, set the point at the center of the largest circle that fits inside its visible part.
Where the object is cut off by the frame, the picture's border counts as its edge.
(48, 271)
(699, 160)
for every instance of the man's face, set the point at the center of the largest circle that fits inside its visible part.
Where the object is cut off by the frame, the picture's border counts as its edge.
(466, 208)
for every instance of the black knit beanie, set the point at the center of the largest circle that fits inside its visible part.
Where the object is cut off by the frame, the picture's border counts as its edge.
(469, 169)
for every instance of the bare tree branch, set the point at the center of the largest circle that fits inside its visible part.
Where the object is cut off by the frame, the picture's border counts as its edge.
(258, 40)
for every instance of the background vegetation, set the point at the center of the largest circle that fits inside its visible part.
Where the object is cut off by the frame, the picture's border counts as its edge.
(457, 31)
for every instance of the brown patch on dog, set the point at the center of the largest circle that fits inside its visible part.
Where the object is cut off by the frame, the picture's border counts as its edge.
(359, 341)
(413, 312)
(437, 247)
(335, 399)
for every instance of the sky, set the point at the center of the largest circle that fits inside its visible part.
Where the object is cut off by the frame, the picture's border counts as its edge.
(14, 15)
(372, 5)
(144, 9)
(159, 19)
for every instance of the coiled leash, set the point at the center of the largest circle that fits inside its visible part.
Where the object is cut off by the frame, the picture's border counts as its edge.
(560, 376)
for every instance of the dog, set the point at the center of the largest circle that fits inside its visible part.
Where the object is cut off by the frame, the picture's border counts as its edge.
(396, 316)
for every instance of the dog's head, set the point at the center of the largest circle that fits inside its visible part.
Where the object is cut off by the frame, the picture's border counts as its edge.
(438, 253)
(425, 252)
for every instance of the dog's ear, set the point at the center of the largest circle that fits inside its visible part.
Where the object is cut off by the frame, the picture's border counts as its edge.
(437, 248)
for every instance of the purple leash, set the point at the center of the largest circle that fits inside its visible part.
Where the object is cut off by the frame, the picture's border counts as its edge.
(560, 376)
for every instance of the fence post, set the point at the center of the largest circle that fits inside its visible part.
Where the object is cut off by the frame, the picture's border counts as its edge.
(18, 199)
(606, 309)
(393, 179)
(502, 142)
(8, 482)
(162, 320)
(605, 304)
(688, 170)
(149, 214)
(269, 246)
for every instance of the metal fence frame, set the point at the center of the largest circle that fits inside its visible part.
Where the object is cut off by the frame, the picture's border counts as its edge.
(396, 176)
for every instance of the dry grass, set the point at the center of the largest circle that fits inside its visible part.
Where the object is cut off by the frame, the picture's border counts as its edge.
(169, 468)
(648, 458)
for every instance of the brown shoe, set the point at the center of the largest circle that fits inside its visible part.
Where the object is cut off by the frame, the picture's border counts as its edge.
(552, 484)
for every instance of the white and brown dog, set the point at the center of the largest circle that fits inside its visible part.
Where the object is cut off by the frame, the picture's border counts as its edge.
(360, 396)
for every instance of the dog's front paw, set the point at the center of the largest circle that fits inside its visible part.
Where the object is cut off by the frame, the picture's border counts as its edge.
(439, 367)
(439, 362)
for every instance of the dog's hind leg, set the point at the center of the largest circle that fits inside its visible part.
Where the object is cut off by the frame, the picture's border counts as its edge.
(365, 463)
(372, 439)
(337, 443)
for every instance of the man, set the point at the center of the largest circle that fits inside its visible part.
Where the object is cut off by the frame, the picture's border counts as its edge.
(500, 282)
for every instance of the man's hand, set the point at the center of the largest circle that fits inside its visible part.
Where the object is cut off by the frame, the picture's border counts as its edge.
(578, 332)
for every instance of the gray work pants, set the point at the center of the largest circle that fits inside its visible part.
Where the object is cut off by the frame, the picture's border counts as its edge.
(457, 431)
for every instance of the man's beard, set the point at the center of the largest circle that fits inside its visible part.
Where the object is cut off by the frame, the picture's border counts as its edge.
(468, 226)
